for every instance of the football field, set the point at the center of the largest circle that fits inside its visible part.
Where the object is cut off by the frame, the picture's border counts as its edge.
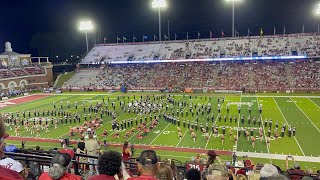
(300, 112)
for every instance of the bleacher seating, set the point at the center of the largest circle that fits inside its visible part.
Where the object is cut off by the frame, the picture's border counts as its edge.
(34, 70)
(223, 76)
(17, 72)
(5, 73)
(304, 44)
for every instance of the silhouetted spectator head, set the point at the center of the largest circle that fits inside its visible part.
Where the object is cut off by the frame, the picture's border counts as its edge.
(277, 177)
(193, 174)
(148, 163)
(110, 163)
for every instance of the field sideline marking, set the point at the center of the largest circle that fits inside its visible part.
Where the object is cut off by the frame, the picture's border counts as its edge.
(264, 132)
(160, 133)
(306, 115)
(238, 124)
(187, 129)
(151, 121)
(215, 122)
(283, 96)
(314, 103)
(288, 125)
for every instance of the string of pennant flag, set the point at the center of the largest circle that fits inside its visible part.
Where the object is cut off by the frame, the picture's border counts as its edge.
(194, 35)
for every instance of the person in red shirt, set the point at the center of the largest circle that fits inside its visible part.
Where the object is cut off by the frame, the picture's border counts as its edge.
(295, 172)
(6, 174)
(126, 152)
(109, 165)
(60, 165)
(148, 166)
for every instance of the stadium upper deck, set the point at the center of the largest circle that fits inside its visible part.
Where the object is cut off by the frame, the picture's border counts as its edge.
(254, 46)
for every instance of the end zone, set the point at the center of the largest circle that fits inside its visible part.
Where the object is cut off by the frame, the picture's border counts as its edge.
(23, 99)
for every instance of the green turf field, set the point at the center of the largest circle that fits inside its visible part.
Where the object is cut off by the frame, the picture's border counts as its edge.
(301, 112)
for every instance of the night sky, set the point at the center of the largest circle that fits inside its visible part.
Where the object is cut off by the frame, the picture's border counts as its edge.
(50, 27)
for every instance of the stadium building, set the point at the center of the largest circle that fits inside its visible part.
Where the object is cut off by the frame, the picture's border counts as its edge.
(21, 71)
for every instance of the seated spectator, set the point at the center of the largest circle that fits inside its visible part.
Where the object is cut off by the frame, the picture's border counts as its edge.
(248, 166)
(254, 175)
(164, 172)
(241, 177)
(60, 165)
(295, 172)
(219, 171)
(109, 165)
(173, 167)
(13, 165)
(277, 177)
(268, 170)
(6, 174)
(306, 178)
(193, 174)
(148, 165)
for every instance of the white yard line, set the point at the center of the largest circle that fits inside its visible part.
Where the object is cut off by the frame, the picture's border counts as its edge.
(160, 133)
(215, 122)
(264, 132)
(100, 126)
(150, 122)
(288, 125)
(136, 132)
(238, 125)
(79, 94)
(187, 129)
(305, 115)
(18, 98)
(314, 103)
(208, 140)
(271, 96)
(182, 138)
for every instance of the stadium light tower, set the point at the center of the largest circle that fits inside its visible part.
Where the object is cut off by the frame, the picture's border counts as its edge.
(233, 4)
(159, 4)
(317, 11)
(86, 26)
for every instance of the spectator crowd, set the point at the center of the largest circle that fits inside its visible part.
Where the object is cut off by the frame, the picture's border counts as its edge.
(264, 75)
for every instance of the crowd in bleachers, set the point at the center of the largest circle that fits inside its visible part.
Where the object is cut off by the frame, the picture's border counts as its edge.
(17, 72)
(305, 75)
(224, 75)
(302, 44)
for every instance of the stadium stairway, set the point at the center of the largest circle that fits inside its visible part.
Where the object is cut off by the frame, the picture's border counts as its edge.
(289, 75)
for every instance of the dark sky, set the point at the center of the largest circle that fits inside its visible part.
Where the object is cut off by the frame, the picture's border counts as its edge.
(23, 19)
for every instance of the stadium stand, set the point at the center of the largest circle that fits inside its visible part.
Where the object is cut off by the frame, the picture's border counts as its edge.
(253, 76)
(250, 75)
(20, 72)
(281, 45)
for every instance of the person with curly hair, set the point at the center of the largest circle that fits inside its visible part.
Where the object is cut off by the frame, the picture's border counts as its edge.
(109, 165)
